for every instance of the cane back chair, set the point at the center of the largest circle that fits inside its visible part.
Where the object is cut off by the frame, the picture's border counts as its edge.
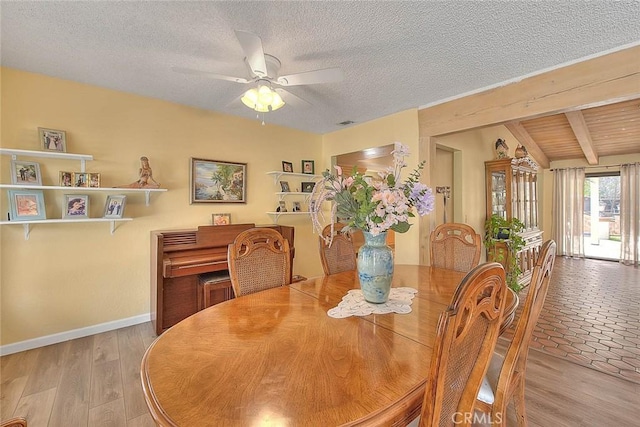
(505, 378)
(258, 260)
(340, 254)
(466, 337)
(455, 247)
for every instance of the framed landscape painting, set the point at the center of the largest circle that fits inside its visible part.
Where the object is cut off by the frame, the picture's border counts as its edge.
(214, 181)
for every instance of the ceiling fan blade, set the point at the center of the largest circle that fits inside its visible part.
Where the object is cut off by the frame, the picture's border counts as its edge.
(252, 47)
(328, 75)
(209, 74)
(291, 99)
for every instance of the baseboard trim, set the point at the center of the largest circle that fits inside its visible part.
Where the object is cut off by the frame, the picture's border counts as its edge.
(73, 334)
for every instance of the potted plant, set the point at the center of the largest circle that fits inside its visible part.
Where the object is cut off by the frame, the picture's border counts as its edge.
(505, 231)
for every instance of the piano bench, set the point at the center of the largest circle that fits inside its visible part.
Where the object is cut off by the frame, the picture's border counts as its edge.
(213, 288)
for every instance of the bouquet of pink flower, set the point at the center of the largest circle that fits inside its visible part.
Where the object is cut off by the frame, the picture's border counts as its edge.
(373, 205)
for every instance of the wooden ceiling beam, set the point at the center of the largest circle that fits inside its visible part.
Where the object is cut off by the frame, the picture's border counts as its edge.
(523, 137)
(581, 130)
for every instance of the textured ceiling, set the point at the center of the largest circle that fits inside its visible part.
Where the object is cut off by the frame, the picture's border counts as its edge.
(395, 55)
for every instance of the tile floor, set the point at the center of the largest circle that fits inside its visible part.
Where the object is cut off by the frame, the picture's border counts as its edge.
(591, 316)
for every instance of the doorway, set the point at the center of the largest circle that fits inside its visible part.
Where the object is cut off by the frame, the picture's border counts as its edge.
(602, 216)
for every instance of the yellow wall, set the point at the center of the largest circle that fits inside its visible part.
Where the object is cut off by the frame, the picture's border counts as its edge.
(401, 127)
(474, 148)
(70, 276)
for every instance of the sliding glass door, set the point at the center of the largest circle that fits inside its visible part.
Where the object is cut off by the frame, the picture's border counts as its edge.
(602, 216)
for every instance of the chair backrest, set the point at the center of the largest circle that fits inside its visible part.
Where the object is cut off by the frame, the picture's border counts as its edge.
(455, 247)
(515, 359)
(466, 337)
(340, 255)
(14, 422)
(258, 260)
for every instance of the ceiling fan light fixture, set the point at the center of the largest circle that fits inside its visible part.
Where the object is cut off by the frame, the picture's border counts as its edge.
(262, 99)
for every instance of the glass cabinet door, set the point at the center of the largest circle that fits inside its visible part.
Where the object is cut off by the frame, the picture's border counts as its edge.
(499, 193)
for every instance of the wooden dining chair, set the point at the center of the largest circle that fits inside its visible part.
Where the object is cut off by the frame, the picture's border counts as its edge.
(340, 254)
(258, 260)
(505, 378)
(455, 247)
(14, 422)
(466, 337)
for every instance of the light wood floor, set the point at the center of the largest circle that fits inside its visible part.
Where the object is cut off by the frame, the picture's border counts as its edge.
(95, 381)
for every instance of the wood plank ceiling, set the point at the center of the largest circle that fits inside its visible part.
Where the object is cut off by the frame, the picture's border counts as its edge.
(607, 130)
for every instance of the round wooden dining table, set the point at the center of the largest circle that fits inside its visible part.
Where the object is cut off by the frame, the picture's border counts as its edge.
(275, 358)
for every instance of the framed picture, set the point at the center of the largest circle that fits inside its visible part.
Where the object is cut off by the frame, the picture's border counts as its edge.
(282, 206)
(285, 186)
(114, 207)
(287, 166)
(308, 167)
(66, 179)
(221, 219)
(75, 206)
(307, 187)
(53, 140)
(80, 179)
(296, 207)
(25, 173)
(94, 180)
(214, 181)
(26, 205)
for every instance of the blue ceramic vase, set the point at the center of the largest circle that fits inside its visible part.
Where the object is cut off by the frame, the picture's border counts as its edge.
(375, 268)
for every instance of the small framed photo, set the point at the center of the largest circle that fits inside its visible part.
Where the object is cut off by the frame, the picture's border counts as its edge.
(287, 166)
(66, 179)
(26, 205)
(308, 167)
(53, 140)
(285, 186)
(296, 207)
(94, 180)
(221, 219)
(307, 187)
(25, 173)
(80, 179)
(282, 206)
(214, 181)
(114, 207)
(75, 206)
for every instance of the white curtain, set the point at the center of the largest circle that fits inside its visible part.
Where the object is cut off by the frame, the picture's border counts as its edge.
(630, 213)
(568, 207)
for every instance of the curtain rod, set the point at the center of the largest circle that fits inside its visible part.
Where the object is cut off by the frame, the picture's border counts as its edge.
(593, 167)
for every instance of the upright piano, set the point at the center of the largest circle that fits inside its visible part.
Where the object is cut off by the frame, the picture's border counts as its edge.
(179, 261)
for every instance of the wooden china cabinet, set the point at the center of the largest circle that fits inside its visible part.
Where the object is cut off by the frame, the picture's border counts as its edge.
(512, 191)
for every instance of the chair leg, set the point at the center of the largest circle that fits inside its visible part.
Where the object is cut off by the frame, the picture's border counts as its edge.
(518, 404)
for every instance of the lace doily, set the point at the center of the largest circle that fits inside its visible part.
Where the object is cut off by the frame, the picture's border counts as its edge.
(353, 304)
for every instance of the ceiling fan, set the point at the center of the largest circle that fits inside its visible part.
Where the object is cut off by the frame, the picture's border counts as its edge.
(267, 92)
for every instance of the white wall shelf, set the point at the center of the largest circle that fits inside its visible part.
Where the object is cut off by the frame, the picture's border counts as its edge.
(277, 215)
(298, 178)
(147, 191)
(277, 175)
(82, 158)
(27, 224)
(14, 153)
